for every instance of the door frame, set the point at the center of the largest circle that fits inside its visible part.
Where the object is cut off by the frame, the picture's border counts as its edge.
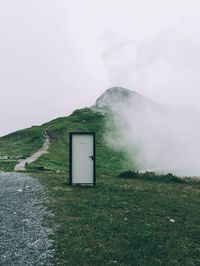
(71, 151)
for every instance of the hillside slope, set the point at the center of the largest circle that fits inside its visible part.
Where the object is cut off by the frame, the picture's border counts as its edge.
(133, 132)
(85, 119)
(21, 144)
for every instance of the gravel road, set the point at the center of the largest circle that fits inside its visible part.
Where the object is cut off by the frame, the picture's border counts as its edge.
(24, 237)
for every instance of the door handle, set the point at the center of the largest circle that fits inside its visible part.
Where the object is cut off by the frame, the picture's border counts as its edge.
(92, 157)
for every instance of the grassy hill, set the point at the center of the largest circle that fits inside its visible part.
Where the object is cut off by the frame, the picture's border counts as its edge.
(24, 143)
(21, 144)
(131, 219)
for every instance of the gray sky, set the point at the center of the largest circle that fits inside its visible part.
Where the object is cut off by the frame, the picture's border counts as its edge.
(59, 55)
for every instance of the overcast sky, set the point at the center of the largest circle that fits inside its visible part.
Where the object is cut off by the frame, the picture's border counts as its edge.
(59, 55)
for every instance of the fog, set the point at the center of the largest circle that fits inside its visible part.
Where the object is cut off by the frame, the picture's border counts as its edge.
(164, 68)
(57, 56)
(157, 137)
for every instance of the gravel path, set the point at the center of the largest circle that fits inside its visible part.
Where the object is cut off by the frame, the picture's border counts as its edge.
(24, 237)
(22, 165)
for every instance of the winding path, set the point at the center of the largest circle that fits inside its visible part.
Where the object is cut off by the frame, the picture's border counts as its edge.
(22, 165)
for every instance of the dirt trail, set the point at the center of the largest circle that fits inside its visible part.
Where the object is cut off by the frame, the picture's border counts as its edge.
(22, 165)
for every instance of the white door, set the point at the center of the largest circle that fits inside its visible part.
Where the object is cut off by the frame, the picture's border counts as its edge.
(82, 158)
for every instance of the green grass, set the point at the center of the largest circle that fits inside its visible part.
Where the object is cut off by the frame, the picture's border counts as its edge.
(24, 143)
(152, 176)
(124, 221)
(19, 145)
(7, 166)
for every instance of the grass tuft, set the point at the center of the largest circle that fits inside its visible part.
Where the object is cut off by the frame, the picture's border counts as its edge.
(151, 176)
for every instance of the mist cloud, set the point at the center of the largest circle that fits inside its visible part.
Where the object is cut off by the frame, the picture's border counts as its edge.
(156, 137)
(165, 68)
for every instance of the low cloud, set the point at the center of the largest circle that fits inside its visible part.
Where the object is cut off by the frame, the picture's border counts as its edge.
(155, 136)
(164, 69)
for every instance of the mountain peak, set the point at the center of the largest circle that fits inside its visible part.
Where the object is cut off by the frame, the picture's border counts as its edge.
(115, 95)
